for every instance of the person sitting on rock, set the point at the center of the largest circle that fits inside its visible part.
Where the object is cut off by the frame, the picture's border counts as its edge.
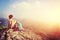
(12, 24)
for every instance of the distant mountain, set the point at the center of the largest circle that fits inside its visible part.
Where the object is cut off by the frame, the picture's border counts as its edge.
(3, 23)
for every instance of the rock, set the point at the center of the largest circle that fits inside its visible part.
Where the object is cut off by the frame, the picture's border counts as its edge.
(19, 35)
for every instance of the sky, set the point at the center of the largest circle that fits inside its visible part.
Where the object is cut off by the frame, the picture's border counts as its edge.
(37, 10)
(3, 6)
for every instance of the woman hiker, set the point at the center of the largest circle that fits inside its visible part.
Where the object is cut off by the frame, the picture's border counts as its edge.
(12, 24)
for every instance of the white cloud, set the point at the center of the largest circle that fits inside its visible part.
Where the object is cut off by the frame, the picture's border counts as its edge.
(36, 10)
(25, 9)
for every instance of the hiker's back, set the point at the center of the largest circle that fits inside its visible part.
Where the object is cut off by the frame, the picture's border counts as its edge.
(13, 25)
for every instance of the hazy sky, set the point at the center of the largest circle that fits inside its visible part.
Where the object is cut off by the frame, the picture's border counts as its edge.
(38, 10)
